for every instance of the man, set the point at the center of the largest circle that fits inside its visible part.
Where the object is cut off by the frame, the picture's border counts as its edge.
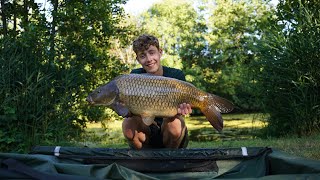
(169, 132)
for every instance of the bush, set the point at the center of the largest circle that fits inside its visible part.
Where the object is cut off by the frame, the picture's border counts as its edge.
(290, 76)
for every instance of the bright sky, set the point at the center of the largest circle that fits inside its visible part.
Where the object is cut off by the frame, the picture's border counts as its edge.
(135, 7)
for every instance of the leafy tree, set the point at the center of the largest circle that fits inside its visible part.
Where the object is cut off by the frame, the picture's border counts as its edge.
(49, 67)
(82, 40)
(170, 21)
(121, 45)
(224, 45)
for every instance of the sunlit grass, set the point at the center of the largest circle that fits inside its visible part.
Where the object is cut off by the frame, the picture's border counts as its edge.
(236, 126)
(230, 121)
(239, 130)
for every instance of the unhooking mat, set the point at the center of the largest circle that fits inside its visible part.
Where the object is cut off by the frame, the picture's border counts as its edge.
(67, 163)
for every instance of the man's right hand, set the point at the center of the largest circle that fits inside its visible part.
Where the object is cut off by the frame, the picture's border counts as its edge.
(184, 109)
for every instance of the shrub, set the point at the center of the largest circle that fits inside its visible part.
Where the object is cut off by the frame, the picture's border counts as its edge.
(290, 76)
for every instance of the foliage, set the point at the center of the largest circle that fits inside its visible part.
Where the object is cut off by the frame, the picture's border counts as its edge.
(289, 79)
(121, 45)
(172, 22)
(24, 95)
(82, 40)
(235, 30)
(48, 67)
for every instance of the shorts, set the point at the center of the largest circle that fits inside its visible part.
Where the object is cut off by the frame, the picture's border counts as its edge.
(156, 136)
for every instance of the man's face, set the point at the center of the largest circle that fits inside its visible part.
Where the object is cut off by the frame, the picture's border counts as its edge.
(150, 59)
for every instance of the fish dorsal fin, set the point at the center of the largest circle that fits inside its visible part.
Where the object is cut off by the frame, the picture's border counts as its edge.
(222, 105)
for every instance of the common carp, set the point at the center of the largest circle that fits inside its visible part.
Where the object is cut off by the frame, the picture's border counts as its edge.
(153, 96)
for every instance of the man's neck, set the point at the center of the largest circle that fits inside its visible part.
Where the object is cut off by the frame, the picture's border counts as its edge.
(159, 72)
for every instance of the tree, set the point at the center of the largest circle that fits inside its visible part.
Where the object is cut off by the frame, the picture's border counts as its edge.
(289, 81)
(172, 22)
(49, 67)
(222, 47)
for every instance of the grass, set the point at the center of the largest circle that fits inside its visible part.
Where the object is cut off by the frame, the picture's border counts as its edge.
(239, 130)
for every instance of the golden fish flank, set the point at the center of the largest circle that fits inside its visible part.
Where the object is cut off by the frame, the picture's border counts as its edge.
(157, 96)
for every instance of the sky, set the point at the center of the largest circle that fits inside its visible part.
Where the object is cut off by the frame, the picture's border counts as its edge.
(135, 7)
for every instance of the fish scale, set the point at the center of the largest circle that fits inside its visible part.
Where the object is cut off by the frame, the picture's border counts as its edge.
(158, 94)
(153, 96)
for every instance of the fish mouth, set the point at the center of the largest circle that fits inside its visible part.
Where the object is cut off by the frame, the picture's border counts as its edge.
(105, 103)
(110, 102)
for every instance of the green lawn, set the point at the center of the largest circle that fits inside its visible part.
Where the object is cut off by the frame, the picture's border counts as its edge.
(239, 130)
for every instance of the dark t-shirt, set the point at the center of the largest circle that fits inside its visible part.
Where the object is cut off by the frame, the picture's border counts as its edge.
(167, 72)
(156, 136)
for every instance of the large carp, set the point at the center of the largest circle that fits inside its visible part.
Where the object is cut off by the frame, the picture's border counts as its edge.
(153, 96)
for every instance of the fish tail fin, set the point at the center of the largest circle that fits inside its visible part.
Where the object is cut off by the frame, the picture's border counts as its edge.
(214, 106)
(214, 117)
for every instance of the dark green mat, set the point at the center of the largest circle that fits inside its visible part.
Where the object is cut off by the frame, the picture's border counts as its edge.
(50, 162)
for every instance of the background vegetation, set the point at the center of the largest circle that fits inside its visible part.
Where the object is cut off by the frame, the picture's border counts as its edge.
(263, 58)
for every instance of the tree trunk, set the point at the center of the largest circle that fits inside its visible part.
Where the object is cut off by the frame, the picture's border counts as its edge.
(4, 18)
(25, 14)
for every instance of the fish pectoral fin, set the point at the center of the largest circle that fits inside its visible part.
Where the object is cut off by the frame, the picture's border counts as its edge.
(148, 120)
(214, 117)
(120, 109)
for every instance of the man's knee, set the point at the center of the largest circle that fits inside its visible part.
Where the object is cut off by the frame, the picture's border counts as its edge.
(175, 128)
